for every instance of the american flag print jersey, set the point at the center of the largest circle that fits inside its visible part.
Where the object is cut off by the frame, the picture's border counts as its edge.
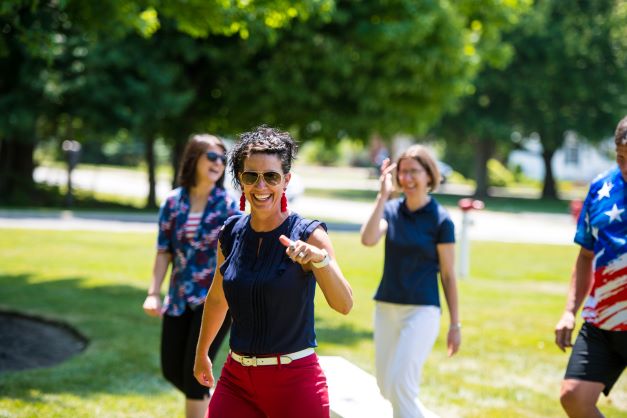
(602, 228)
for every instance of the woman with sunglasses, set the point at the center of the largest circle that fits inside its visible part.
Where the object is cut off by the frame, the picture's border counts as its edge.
(419, 244)
(189, 221)
(269, 264)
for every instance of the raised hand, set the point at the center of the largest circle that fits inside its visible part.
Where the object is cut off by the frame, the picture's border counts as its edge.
(387, 183)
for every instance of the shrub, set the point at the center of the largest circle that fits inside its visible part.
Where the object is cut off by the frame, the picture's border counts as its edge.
(498, 174)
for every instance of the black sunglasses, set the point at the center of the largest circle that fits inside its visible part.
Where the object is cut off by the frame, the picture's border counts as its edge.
(214, 156)
(252, 177)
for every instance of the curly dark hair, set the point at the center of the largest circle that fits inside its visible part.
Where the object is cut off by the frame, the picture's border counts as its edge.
(196, 147)
(263, 140)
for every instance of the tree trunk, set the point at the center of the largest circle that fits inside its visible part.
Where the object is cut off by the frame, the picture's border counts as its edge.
(549, 189)
(151, 201)
(16, 169)
(5, 168)
(484, 150)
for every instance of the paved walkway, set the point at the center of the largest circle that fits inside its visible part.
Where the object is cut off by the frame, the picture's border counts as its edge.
(353, 392)
(341, 215)
(486, 225)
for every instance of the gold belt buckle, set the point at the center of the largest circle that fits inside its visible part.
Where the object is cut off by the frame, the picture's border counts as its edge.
(249, 361)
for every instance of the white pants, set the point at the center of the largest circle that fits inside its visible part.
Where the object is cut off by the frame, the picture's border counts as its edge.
(403, 337)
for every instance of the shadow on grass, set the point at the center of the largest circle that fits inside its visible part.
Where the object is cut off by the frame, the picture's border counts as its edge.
(52, 197)
(122, 357)
(341, 334)
(123, 354)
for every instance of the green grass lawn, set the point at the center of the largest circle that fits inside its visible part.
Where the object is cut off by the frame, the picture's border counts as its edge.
(508, 365)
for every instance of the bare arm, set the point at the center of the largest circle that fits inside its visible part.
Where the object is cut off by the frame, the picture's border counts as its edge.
(152, 303)
(213, 315)
(580, 284)
(446, 254)
(375, 227)
(334, 286)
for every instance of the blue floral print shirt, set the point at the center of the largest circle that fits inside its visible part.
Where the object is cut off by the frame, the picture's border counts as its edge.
(193, 260)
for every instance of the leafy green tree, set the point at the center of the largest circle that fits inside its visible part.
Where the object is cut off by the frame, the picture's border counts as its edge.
(134, 84)
(480, 124)
(569, 73)
(324, 68)
(42, 42)
(33, 35)
(370, 67)
(480, 128)
(367, 67)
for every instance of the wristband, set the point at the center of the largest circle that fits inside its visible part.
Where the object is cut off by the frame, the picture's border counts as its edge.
(455, 326)
(325, 261)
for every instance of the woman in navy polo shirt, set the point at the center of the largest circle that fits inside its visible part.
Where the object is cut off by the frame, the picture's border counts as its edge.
(269, 264)
(189, 222)
(419, 244)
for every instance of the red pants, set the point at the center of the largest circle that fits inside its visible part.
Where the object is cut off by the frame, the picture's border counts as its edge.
(295, 390)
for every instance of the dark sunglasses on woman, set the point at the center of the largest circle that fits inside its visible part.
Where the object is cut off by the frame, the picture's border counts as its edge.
(214, 156)
(252, 177)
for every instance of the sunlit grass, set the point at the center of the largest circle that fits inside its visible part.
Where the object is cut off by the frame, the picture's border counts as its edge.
(95, 281)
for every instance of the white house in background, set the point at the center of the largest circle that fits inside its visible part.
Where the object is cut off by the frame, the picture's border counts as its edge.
(576, 160)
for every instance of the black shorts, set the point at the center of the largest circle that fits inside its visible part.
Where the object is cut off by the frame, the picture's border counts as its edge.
(598, 356)
(179, 337)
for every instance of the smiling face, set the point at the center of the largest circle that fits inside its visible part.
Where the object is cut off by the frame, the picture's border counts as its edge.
(413, 177)
(208, 170)
(264, 197)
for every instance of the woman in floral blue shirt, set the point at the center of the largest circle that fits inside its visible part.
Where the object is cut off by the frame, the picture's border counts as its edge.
(189, 221)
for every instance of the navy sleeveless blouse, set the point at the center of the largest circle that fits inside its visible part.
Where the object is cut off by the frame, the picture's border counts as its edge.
(271, 298)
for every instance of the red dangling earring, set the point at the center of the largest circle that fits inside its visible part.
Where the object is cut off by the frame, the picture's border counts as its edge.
(242, 202)
(283, 202)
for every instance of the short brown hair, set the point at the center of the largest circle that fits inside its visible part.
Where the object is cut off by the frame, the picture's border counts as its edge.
(620, 136)
(197, 147)
(424, 158)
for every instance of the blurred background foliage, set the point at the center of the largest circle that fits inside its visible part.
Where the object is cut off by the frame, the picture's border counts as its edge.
(132, 80)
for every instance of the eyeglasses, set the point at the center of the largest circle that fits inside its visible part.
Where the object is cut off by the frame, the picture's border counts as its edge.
(412, 172)
(250, 178)
(214, 156)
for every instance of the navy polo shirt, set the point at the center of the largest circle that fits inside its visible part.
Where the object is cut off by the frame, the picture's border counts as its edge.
(411, 267)
(270, 297)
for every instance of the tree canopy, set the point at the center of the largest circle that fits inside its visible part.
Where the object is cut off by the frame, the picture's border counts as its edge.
(571, 58)
(370, 67)
(326, 68)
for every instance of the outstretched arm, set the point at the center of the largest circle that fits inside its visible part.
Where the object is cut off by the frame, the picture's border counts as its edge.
(334, 286)
(580, 284)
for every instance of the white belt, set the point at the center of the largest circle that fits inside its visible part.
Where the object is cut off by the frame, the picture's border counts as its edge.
(271, 361)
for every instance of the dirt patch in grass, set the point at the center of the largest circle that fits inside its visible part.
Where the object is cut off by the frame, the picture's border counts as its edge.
(29, 342)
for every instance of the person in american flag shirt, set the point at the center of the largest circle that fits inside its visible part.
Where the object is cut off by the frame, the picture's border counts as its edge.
(599, 354)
